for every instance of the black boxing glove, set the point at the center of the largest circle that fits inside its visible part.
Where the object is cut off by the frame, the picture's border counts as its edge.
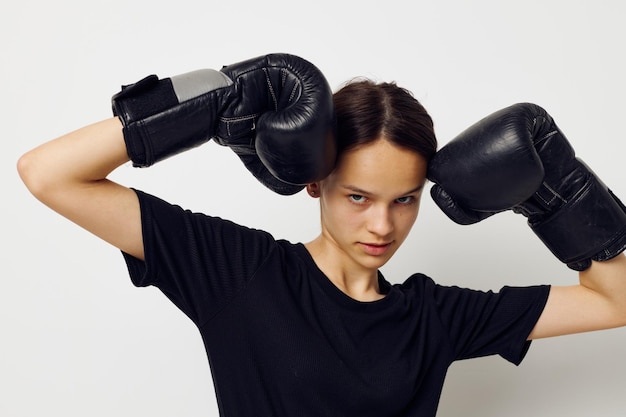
(275, 112)
(518, 159)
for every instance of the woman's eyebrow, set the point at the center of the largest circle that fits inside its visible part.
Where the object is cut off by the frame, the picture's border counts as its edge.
(419, 188)
(355, 189)
(360, 191)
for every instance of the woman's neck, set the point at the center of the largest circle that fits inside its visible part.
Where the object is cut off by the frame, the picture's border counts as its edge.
(355, 281)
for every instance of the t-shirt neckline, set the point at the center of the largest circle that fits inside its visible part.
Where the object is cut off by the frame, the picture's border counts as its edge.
(339, 296)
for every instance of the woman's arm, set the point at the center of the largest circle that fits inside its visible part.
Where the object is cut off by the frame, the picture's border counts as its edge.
(598, 302)
(162, 117)
(521, 161)
(68, 174)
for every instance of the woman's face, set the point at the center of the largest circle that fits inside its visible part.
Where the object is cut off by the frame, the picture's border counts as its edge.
(370, 202)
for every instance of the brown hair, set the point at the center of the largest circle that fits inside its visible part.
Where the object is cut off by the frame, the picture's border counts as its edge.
(367, 110)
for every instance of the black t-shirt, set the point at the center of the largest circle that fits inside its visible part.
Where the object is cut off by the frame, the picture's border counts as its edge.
(282, 340)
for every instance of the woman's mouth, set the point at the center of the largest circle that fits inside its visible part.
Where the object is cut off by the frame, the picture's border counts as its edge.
(375, 249)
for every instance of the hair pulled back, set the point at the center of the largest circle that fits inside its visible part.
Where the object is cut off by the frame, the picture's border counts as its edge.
(367, 111)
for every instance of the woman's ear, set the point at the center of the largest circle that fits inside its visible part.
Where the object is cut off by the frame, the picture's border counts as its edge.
(313, 189)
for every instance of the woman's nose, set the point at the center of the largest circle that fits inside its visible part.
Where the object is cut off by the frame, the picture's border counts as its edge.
(380, 221)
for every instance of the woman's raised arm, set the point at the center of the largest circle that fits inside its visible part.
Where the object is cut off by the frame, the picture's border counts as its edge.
(69, 175)
(277, 105)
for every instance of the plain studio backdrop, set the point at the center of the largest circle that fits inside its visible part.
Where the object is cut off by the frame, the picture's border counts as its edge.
(77, 339)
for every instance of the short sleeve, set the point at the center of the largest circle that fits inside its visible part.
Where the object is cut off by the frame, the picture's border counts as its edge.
(488, 323)
(199, 262)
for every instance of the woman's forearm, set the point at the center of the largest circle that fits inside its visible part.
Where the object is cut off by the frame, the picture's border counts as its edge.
(608, 279)
(69, 175)
(83, 156)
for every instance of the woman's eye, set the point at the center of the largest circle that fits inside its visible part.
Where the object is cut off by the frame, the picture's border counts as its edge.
(356, 198)
(405, 200)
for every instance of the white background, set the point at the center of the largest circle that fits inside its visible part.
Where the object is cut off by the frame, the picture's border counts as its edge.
(77, 339)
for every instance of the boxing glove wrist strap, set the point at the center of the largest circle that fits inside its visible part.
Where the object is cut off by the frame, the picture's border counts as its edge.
(164, 117)
(591, 226)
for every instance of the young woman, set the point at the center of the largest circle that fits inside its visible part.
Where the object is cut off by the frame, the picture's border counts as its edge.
(314, 329)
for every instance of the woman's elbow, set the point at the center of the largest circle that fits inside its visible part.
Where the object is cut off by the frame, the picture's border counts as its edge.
(34, 175)
(27, 170)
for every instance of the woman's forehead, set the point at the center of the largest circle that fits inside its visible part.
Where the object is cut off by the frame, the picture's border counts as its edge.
(381, 166)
